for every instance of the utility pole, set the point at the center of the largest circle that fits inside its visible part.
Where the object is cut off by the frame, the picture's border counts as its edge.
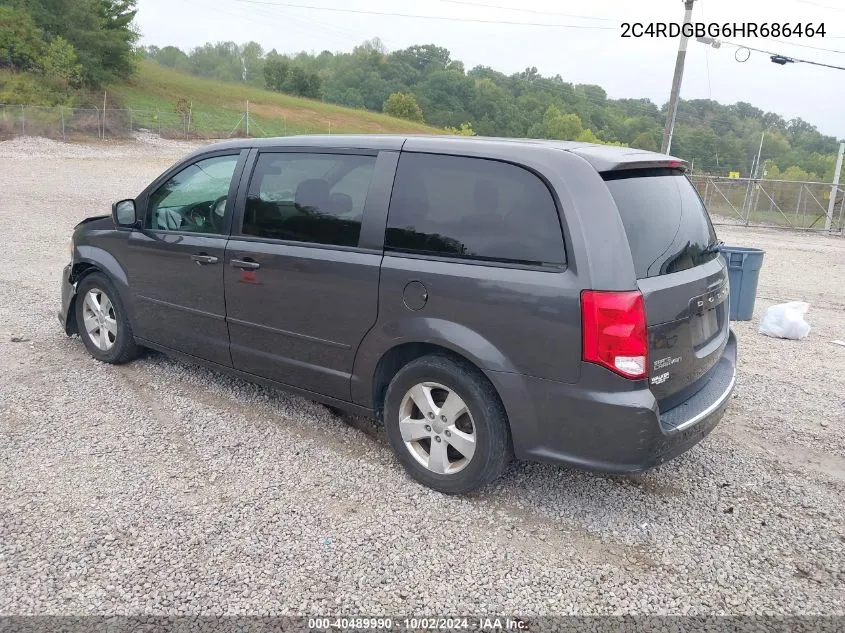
(750, 190)
(672, 110)
(834, 188)
(758, 172)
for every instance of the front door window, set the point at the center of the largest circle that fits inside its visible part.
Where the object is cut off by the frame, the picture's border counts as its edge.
(194, 200)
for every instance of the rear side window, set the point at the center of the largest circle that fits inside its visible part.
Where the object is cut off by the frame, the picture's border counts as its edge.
(315, 198)
(667, 225)
(472, 208)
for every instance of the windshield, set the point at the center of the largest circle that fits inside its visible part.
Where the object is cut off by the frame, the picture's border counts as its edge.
(667, 225)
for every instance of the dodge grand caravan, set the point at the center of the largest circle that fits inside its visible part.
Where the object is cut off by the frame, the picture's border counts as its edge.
(483, 298)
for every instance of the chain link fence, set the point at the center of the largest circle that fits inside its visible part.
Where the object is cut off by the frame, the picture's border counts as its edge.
(810, 206)
(79, 124)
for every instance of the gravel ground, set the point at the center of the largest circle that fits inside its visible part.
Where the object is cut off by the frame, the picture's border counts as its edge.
(161, 488)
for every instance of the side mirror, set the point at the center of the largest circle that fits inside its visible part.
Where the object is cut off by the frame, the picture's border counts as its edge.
(124, 213)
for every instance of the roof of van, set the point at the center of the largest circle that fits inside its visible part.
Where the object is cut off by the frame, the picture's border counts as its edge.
(601, 157)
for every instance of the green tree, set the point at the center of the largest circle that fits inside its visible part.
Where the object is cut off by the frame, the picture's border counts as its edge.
(646, 141)
(59, 62)
(425, 59)
(20, 39)
(283, 76)
(403, 105)
(493, 109)
(588, 136)
(100, 32)
(556, 125)
(217, 61)
(182, 106)
(252, 59)
(465, 129)
(351, 98)
(303, 84)
(276, 70)
(794, 172)
(445, 96)
(172, 57)
(773, 172)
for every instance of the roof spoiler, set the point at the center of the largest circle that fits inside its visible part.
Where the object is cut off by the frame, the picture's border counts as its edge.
(609, 158)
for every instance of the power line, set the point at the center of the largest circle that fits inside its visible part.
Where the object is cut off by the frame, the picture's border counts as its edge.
(534, 11)
(319, 27)
(815, 48)
(785, 59)
(425, 17)
(248, 17)
(340, 34)
(819, 4)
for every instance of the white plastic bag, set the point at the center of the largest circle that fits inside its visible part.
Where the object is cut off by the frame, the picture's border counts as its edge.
(786, 320)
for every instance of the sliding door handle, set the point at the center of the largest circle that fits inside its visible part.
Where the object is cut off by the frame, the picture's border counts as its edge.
(245, 264)
(203, 259)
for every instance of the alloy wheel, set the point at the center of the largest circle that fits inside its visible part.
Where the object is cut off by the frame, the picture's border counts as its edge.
(437, 428)
(99, 319)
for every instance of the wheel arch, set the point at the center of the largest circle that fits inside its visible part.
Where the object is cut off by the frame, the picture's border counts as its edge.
(410, 338)
(78, 272)
(94, 260)
(401, 355)
(103, 260)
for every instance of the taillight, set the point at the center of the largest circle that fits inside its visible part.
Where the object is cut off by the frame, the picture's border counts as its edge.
(614, 331)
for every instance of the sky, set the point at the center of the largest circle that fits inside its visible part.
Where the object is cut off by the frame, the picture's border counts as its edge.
(580, 40)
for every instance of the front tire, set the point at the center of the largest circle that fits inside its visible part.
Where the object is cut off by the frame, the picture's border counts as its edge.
(102, 322)
(447, 425)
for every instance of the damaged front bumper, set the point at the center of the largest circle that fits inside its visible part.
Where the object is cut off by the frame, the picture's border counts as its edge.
(66, 315)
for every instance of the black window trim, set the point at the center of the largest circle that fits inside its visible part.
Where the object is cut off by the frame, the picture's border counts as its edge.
(643, 172)
(475, 261)
(231, 202)
(328, 247)
(478, 261)
(236, 232)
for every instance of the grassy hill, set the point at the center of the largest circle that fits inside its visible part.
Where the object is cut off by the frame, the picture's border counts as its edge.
(217, 108)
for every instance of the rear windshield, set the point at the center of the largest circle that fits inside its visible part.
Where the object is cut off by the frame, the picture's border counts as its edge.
(667, 225)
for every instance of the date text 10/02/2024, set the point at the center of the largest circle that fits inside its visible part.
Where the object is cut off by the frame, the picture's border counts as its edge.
(418, 624)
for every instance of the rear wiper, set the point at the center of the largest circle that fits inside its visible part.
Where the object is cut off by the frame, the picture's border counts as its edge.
(714, 247)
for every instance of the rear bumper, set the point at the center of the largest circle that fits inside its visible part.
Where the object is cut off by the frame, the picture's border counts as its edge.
(608, 423)
(66, 316)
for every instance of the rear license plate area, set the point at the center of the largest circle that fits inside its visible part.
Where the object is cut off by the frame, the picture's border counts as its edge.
(708, 313)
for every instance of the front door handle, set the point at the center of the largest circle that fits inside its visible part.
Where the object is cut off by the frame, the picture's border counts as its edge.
(245, 264)
(202, 259)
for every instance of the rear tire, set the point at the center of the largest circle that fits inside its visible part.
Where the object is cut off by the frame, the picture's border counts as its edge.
(447, 425)
(102, 322)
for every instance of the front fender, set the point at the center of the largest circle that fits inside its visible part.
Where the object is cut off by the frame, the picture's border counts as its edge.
(433, 331)
(105, 261)
(88, 258)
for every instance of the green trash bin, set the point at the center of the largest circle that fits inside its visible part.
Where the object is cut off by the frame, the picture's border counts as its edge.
(743, 273)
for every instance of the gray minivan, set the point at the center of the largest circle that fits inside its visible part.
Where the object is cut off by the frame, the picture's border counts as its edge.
(483, 298)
